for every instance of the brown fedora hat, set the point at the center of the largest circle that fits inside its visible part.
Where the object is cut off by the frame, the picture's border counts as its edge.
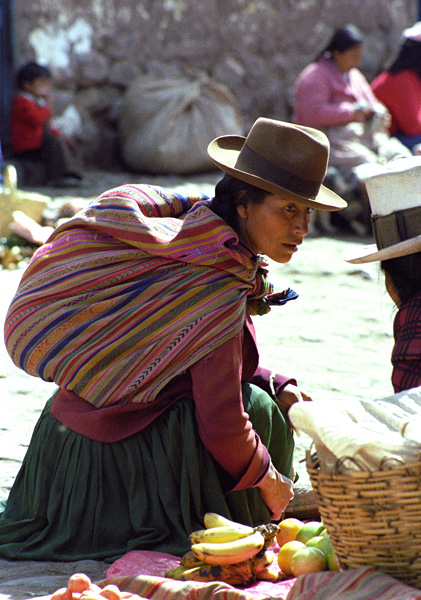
(281, 158)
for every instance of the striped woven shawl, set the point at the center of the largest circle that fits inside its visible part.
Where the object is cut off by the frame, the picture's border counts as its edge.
(129, 293)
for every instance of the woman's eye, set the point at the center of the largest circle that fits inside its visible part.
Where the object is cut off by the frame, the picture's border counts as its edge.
(290, 208)
(309, 210)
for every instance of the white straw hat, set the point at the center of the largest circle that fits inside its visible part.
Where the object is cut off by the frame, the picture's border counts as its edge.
(395, 201)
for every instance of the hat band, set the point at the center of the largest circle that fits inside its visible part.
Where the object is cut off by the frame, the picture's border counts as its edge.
(277, 175)
(396, 227)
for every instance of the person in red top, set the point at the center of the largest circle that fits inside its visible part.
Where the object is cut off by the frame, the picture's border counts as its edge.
(399, 89)
(33, 136)
(396, 216)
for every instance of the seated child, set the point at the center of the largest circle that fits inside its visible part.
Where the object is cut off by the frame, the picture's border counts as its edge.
(33, 136)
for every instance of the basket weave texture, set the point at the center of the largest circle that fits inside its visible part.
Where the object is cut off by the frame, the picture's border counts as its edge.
(373, 518)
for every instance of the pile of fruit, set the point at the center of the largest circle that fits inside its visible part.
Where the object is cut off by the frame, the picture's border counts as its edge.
(233, 553)
(304, 548)
(228, 551)
(238, 554)
(80, 587)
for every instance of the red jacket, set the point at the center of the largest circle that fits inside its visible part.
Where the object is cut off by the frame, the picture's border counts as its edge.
(401, 94)
(27, 122)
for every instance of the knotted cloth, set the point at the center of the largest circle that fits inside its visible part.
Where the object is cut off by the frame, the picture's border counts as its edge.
(130, 292)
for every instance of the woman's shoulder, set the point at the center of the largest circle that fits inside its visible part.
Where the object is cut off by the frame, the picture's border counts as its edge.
(314, 71)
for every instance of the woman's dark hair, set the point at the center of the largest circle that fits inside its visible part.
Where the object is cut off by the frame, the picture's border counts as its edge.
(405, 274)
(231, 192)
(409, 57)
(29, 72)
(343, 39)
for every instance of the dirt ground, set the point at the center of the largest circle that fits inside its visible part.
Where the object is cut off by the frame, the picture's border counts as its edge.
(336, 339)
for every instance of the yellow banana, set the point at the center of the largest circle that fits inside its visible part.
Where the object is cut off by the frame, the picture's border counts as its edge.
(229, 553)
(218, 535)
(176, 572)
(238, 574)
(265, 567)
(214, 520)
(189, 560)
(269, 573)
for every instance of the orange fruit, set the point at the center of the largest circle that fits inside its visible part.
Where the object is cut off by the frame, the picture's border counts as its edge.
(78, 583)
(287, 530)
(286, 553)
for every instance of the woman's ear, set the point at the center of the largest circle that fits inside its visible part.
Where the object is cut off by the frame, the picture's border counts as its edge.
(241, 208)
(242, 211)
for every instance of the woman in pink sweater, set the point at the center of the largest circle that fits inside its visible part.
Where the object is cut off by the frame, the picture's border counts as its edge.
(333, 95)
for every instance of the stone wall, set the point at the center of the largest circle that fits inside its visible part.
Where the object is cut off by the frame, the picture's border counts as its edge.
(256, 48)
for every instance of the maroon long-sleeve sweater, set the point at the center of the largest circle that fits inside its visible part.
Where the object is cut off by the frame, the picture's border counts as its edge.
(214, 383)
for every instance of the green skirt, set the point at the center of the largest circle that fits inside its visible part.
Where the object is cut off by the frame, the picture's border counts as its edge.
(75, 498)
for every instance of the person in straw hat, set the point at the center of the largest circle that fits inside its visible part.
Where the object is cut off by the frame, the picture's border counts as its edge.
(139, 309)
(395, 202)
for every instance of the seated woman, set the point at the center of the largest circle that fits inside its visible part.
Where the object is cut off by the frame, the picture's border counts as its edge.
(333, 95)
(139, 308)
(399, 89)
(395, 201)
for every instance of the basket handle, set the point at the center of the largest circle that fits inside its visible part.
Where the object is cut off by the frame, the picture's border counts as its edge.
(341, 462)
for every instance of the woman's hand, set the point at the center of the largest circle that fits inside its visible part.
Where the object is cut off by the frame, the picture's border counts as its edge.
(289, 395)
(362, 112)
(276, 491)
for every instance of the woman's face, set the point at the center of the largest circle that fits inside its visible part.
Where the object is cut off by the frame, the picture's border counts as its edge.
(276, 227)
(350, 59)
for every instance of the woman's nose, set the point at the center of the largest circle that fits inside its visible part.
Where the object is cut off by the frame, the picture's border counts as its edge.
(302, 222)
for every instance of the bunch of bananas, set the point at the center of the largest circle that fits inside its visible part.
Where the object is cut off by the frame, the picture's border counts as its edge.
(228, 551)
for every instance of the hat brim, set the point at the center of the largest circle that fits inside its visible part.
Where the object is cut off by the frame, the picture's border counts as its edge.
(224, 152)
(370, 253)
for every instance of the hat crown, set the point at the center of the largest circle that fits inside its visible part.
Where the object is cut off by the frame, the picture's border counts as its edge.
(281, 158)
(397, 188)
(274, 139)
(395, 202)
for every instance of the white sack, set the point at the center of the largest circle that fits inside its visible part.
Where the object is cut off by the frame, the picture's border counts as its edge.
(166, 124)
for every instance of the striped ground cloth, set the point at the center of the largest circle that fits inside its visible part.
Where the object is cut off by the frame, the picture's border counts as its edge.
(129, 293)
(355, 584)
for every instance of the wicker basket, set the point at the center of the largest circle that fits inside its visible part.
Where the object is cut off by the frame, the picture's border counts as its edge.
(373, 518)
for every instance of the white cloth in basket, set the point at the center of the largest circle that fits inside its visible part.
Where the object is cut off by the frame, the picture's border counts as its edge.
(369, 431)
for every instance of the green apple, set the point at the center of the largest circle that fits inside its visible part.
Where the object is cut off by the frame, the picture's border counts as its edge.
(325, 545)
(309, 530)
(308, 560)
(314, 540)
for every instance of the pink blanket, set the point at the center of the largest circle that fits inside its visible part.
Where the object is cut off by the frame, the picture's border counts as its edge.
(143, 572)
(151, 566)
